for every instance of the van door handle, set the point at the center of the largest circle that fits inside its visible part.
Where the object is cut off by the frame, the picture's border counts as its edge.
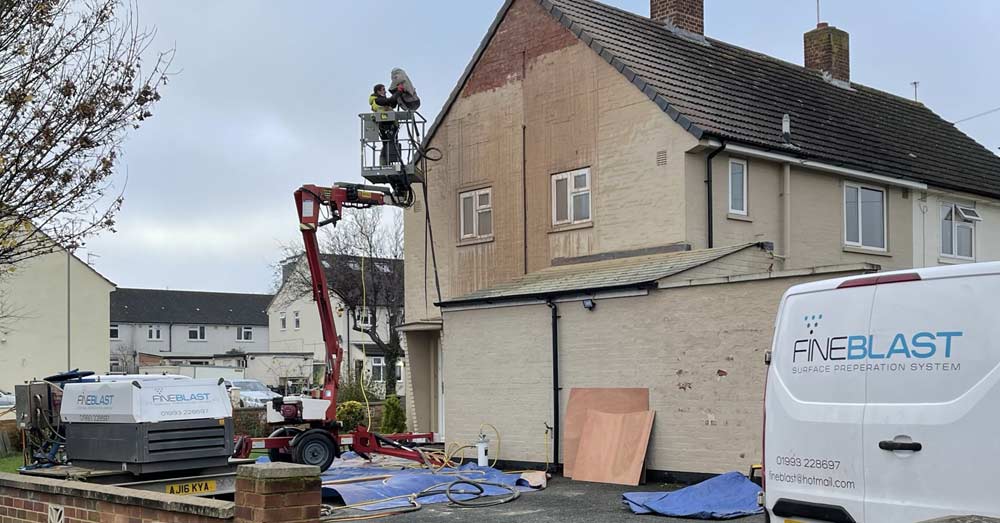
(899, 445)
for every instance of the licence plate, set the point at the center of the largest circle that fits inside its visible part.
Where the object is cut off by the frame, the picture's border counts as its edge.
(257, 445)
(192, 488)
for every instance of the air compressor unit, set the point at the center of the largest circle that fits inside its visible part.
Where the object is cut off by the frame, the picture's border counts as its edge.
(147, 427)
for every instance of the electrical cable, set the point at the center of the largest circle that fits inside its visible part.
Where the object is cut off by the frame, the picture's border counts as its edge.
(984, 113)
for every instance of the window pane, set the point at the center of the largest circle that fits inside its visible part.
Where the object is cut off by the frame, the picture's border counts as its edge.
(963, 234)
(484, 199)
(485, 223)
(851, 214)
(736, 187)
(872, 218)
(192, 334)
(947, 229)
(581, 206)
(562, 199)
(468, 213)
(580, 181)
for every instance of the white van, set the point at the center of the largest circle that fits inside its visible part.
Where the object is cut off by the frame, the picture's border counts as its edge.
(882, 403)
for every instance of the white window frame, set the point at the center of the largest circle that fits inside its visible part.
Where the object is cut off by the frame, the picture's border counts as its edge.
(244, 333)
(364, 317)
(860, 244)
(296, 320)
(118, 334)
(477, 211)
(960, 218)
(199, 331)
(283, 321)
(746, 177)
(151, 330)
(377, 361)
(570, 192)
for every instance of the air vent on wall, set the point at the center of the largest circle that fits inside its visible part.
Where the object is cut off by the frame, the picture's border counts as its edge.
(661, 158)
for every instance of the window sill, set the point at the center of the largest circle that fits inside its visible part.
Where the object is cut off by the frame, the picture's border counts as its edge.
(198, 341)
(739, 217)
(571, 227)
(865, 250)
(474, 241)
(244, 341)
(951, 260)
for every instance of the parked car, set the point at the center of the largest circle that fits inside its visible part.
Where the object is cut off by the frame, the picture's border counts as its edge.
(253, 393)
(881, 398)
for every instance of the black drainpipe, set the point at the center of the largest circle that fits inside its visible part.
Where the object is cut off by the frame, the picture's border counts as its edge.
(708, 176)
(555, 383)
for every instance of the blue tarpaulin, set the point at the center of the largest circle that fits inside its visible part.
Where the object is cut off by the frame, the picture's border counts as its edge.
(404, 481)
(726, 496)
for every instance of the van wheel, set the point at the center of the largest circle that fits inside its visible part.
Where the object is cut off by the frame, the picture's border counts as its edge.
(315, 447)
(282, 455)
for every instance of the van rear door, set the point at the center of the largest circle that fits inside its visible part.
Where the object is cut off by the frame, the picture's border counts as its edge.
(930, 438)
(814, 410)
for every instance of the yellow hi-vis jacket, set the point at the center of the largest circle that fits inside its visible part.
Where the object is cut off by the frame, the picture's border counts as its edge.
(376, 108)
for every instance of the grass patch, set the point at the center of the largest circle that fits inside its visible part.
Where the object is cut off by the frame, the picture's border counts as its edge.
(11, 463)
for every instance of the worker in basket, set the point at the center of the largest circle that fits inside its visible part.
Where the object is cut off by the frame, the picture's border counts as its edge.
(388, 131)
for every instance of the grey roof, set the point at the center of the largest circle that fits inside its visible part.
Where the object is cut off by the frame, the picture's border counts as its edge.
(188, 307)
(636, 271)
(714, 89)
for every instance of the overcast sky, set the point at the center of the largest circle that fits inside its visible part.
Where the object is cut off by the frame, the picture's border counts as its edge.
(267, 95)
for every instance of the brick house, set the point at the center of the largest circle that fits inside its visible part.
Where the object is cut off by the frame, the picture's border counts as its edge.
(621, 202)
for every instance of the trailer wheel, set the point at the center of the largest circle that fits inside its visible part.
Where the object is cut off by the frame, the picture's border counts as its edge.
(282, 455)
(315, 447)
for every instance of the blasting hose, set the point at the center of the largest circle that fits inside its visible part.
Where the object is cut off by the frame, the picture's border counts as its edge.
(448, 489)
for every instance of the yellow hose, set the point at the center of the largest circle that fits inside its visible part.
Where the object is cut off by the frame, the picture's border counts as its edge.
(364, 353)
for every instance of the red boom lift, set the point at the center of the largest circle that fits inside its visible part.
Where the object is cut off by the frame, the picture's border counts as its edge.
(310, 433)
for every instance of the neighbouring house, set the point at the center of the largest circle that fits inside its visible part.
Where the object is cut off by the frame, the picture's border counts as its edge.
(294, 319)
(621, 201)
(53, 313)
(184, 326)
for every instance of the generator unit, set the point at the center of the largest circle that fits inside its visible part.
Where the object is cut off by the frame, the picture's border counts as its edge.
(148, 426)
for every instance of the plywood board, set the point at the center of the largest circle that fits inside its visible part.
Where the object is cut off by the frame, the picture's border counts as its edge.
(612, 400)
(613, 447)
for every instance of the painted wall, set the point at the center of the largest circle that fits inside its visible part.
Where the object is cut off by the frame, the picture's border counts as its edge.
(817, 205)
(574, 111)
(927, 228)
(699, 350)
(33, 338)
(174, 340)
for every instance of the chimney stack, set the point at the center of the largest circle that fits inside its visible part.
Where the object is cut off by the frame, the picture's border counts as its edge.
(827, 49)
(688, 15)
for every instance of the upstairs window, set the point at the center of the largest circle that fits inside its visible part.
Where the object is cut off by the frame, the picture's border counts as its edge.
(571, 197)
(738, 187)
(295, 320)
(153, 333)
(114, 331)
(958, 231)
(864, 217)
(283, 321)
(244, 334)
(477, 214)
(196, 333)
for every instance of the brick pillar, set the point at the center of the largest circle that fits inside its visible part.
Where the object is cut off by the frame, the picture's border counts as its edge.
(277, 492)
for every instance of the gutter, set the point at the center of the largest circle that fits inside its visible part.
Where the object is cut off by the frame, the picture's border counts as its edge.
(708, 179)
(820, 166)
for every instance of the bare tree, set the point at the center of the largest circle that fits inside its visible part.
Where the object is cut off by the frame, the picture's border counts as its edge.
(363, 261)
(71, 86)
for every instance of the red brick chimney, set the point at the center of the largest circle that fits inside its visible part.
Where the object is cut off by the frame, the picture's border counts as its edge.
(828, 49)
(688, 15)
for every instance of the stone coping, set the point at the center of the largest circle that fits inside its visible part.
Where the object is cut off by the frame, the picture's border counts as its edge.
(211, 508)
